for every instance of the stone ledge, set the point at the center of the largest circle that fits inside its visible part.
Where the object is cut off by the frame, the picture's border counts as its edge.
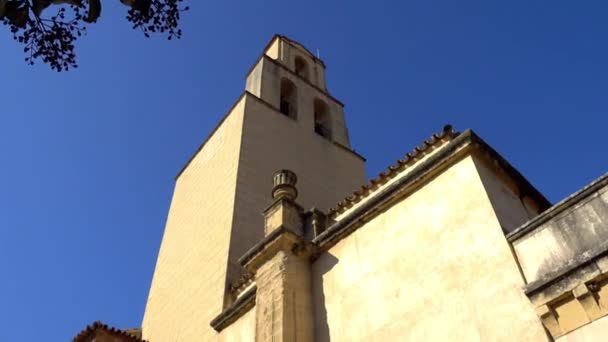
(280, 238)
(240, 307)
(560, 207)
(561, 274)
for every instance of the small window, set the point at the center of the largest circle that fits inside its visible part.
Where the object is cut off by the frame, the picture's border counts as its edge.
(322, 119)
(301, 67)
(288, 101)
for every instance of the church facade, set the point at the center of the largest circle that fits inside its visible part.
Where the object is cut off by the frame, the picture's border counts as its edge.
(275, 234)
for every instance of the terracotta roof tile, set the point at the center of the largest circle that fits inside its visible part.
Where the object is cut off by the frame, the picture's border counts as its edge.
(126, 336)
(436, 140)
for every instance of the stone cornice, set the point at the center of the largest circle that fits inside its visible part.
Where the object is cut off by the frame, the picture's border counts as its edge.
(456, 149)
(560, 207)
(281, 238)
(559, 275)
(241, 306)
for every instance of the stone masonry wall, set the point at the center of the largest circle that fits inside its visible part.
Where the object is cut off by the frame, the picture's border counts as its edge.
(190, 277)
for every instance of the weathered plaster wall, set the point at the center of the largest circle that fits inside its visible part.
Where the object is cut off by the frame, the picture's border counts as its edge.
(562, 240)
(243, 330)
(434, 267)
(562, 255)
(187, 290)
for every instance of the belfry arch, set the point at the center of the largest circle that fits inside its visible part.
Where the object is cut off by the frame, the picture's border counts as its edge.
(301, 68)
(322, 119)
(288, 99)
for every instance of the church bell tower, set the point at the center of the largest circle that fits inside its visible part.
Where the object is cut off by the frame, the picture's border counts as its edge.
(285, 119)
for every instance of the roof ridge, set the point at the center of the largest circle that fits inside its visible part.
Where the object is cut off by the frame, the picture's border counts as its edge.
(446, 134)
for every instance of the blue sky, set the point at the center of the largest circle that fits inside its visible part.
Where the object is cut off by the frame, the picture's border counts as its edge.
(88, 157)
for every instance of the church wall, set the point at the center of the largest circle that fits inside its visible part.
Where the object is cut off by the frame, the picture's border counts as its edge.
(442, 255)
(504, 196)
(273, 141)
(243, 330)
(189, 281)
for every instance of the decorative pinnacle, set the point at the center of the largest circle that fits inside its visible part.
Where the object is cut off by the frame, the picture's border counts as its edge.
(284, 185)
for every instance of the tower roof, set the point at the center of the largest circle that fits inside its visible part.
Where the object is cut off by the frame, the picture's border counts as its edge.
(295, 44)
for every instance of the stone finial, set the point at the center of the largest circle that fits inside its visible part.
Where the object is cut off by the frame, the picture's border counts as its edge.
(284, 185)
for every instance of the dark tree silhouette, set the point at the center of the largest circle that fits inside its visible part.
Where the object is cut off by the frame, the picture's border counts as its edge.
(49, 28)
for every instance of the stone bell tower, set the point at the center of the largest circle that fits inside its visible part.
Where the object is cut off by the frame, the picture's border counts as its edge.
(285, 119)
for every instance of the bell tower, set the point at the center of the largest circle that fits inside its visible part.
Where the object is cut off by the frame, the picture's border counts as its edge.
(285, 119)
(292, 79)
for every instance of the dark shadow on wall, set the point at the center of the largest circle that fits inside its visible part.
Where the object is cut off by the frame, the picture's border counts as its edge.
(319, 268)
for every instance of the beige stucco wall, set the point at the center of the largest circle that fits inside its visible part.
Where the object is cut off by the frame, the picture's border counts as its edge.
(243, 330)
(434, 267)
(187, 290)
(596, 331)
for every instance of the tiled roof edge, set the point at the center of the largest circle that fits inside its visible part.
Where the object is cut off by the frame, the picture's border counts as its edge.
(234, 312)
(99, 325)
(463, 141)
(436, 140)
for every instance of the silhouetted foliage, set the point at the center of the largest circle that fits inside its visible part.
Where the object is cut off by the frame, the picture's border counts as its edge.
(51, 38)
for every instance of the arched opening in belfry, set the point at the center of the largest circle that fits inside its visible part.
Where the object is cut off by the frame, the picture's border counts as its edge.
(301, 67)
(289, 98)
(322, 119)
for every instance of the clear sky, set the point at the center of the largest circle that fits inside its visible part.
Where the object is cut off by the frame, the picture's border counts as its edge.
(88, 157)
